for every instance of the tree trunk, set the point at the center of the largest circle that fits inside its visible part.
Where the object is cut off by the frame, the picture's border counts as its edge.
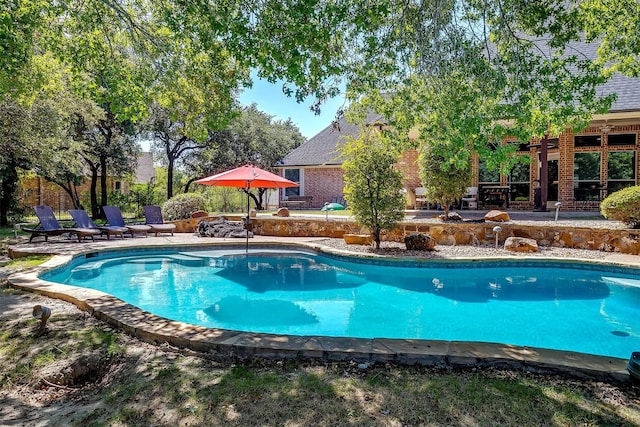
(170, 176)
(188, 185)
(445, 206)
(93, 192)
(103, 187)
(71, 191)
(260, 199)
(376, 236)
(8, 188)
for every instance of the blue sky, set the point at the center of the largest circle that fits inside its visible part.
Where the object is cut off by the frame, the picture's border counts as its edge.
(271, 100)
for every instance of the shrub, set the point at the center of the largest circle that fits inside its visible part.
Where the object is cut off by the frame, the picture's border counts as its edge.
(623, 205)
(182, 206)
(373, 186)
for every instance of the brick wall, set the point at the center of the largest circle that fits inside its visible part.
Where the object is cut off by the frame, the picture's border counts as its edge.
(408, 164)
(33, 191)
(323, 184)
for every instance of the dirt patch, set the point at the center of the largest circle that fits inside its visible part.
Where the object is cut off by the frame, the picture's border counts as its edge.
(85, 370)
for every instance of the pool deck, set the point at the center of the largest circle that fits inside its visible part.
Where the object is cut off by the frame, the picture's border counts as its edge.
(151, 328)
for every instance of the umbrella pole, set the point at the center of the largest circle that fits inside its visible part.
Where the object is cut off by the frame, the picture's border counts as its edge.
(246, 231)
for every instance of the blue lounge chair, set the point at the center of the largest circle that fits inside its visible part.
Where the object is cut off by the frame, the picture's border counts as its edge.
(114, 218)
(82, 220)
(49, 226)
(153, 217)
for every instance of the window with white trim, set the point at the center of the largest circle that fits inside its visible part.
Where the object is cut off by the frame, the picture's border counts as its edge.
(294, 175)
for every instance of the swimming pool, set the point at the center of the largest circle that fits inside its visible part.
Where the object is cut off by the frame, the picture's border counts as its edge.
(558, 305)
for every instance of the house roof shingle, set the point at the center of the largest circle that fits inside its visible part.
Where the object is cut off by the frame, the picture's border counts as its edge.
(323, 149)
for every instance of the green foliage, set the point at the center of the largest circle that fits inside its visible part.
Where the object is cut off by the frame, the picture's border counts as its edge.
(225, 199)
(444, 179)
(35, 128)
(182, 206)
(133, 202)
(142, 195)
(614, 24)
(623, 205)
(18, 22)
(373, 186)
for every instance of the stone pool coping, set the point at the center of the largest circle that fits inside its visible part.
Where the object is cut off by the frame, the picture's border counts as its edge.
(155, 329)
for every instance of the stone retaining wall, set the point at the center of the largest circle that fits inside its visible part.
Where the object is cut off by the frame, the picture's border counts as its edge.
(626, 241)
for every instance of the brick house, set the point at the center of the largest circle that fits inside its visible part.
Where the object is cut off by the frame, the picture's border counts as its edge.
(35, 190)
(582, 168)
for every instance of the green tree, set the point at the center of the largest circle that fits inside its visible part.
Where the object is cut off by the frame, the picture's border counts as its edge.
(373, 185)
(35, 131)
(193, 95)
(106, 48)
(252, 137)
(474, 88)
(445, 180)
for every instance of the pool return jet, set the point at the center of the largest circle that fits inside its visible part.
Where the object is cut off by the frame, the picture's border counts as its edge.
(247, 177)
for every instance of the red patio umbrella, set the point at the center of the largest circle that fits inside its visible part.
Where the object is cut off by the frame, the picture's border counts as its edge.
(247, 177)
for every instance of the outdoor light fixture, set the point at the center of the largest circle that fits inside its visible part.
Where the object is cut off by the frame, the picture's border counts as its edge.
(557, 205)
(497, 229)
(606, 128)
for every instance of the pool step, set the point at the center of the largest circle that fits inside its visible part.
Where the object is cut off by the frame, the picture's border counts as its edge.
(180, 259)
(91, 270)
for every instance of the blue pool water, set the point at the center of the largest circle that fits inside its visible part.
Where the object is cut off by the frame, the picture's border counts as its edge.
(561, 306)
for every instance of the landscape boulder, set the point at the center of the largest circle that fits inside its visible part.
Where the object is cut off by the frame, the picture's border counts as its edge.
(453, 217)
(222, 227)
(420, 242)
(520, 244)
(283, 212)
(497, 216)
(358, 239)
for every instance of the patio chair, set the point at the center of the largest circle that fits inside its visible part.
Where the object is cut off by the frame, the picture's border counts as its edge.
(153, 217)
(470, 198)
(49, 226)
(114, 218)
(82, 220)
(421, 200)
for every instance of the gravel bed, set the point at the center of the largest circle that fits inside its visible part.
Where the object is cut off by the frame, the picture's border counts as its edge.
(573, 223)
(397, 249)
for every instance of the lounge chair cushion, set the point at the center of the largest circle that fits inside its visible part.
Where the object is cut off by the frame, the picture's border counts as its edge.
(114, 218)
(153, 216)
(83, 220)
